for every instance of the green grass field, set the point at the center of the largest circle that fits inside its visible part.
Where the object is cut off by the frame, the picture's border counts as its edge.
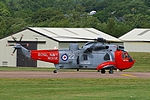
(78, 89)
(142, 63)
(74, 89)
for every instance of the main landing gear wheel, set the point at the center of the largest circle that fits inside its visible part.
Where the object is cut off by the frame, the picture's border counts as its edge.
(111, 71)
(103, 71)
(55, 71)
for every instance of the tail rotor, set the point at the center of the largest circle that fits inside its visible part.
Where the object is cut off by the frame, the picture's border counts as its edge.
(17, 44)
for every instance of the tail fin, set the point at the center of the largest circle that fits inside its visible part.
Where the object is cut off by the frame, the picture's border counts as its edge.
(25, 51)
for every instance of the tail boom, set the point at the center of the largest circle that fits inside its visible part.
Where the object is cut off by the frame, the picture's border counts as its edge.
(51, 56)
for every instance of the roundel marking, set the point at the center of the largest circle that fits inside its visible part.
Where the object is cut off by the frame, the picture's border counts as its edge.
(64, 57)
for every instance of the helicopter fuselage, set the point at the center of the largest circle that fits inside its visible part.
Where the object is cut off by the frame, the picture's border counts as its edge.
(99, 57)
(92, 55)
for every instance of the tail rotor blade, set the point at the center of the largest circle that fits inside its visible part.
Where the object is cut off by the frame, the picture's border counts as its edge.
(21, 37)
(10, 45)
(18, 44)
(13, 38)
(13, 52)
(25, 45)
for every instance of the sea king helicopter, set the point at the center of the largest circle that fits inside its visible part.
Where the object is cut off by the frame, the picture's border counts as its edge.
(95, 55)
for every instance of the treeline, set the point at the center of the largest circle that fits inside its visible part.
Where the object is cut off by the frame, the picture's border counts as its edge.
(114, 17)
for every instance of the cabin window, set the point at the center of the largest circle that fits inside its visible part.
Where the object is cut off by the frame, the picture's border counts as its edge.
(85, 57)
(106, 57)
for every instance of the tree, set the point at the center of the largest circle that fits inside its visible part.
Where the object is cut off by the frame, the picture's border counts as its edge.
(114, 17)
(44, 14)
(111, 27)
(4, 12)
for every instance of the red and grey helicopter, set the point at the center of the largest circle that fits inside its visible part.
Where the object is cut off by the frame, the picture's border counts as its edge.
(95, 55)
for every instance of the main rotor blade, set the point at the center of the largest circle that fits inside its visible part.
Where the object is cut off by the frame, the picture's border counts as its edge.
(74, 37)
(90, 49)
(99, 39)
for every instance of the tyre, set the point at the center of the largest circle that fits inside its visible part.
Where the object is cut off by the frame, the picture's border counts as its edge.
(103, 71)
(55, 71)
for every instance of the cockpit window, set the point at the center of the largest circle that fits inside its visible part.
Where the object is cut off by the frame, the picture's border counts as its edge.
(125, 55)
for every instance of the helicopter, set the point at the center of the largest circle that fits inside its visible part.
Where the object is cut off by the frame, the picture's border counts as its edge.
(93, 55)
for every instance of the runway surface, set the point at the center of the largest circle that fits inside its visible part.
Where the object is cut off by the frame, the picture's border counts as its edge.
(42, 74)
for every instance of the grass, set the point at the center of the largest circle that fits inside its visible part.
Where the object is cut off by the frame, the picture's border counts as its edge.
(142, 63)
(142, 58)
(74, 89)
